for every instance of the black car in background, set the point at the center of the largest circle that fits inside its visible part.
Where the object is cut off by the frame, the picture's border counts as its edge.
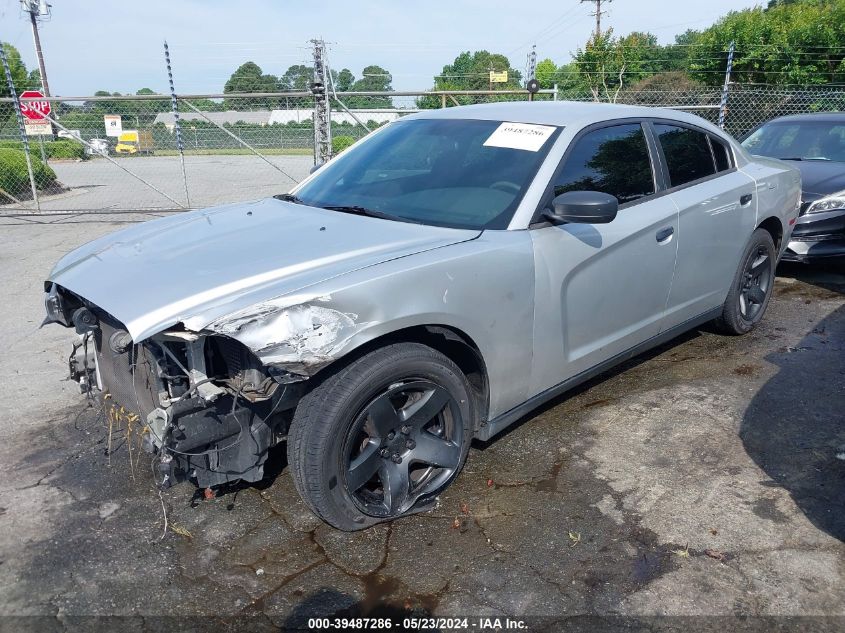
(815, 144)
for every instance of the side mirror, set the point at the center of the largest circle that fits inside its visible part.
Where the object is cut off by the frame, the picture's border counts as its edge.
(315, 168)
(583, 207)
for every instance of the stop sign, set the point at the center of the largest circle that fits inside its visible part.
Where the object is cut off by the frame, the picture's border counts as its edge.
(34, 106)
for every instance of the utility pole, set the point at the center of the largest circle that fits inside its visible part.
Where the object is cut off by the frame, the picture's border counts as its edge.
(531, 83)
(38, 10)
(598, 13)
(322, 106)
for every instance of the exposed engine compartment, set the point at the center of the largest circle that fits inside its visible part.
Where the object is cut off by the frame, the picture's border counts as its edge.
(207, 407)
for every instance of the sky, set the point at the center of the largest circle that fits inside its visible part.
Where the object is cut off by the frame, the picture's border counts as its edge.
(116, 45)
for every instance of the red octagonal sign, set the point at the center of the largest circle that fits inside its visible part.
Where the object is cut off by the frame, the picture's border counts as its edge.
(34, 106)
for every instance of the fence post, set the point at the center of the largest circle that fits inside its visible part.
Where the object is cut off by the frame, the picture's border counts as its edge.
(21, 126)
(554, 94)
(176, 125)
(442, 101)
(723, 106)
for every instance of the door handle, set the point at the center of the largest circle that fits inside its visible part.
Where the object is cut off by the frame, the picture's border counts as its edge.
(744, 200)
(665, 234)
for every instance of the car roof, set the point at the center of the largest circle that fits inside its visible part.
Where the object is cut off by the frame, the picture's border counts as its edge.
(826, 117)
(560, 113)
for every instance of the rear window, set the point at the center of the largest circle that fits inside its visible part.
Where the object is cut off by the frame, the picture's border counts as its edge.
(687, 153)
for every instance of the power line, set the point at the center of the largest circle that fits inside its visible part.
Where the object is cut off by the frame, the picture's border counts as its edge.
(545, 31)
(562, 29)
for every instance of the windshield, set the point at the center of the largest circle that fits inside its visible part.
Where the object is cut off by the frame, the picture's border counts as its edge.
(799, 140)
(445, 172)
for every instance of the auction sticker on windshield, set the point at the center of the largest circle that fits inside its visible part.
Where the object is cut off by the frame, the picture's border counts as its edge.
(520, 136)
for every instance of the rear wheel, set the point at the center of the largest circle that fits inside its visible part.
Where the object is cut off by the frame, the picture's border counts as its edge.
(381, 436)
(752, 286)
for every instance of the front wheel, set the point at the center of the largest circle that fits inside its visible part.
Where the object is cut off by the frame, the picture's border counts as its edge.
(381, 436)
(752, 286)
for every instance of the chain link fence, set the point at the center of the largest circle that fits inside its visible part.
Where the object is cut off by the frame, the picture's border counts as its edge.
(110, 154)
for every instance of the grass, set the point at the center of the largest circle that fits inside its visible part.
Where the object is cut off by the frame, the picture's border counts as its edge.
(238, 151)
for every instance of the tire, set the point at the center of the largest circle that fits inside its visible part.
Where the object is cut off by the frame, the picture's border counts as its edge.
(752, 286)
(382, 436)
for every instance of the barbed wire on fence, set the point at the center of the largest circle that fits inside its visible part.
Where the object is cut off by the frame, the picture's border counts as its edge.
(237, 146)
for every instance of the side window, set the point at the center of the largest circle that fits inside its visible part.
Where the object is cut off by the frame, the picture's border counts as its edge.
(612, 160)
(721, 153)
(687, 153)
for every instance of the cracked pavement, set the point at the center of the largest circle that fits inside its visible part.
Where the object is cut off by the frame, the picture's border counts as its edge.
(699, 479)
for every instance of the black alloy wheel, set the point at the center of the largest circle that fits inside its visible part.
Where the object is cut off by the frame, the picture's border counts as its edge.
(756, 282)
(381, 436)
(403, 446)
(752, 286)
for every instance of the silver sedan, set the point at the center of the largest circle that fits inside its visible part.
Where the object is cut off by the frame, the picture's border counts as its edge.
(430, 285)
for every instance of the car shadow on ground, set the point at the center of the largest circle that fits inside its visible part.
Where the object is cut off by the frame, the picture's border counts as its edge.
(829, 274)
(623, 367)
(335, 607)
(800, 451)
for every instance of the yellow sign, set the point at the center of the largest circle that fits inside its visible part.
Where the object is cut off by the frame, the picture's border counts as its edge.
(498, 77)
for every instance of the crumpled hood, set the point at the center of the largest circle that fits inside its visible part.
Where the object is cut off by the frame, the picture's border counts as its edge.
(201, 265)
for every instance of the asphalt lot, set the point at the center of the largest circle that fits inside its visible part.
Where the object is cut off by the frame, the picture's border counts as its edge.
(700, 480)
(99, 184)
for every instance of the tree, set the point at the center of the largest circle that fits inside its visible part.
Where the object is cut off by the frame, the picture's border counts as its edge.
(33, 80)
(154, 105)
(570, 83)
(344, 80)
(608, 64)
(652, 90)
(373, 79)
(678, 56)
(471, 71)
(19, 79)
(106, 106)
(602, 65)
(298, 77)
(206, 105)
(642, 54)
(250, 78)
(786, 43)
(16, 65)
(566, 78)
(546, 73)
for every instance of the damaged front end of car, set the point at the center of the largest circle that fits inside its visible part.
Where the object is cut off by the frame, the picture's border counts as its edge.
(209, 408)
